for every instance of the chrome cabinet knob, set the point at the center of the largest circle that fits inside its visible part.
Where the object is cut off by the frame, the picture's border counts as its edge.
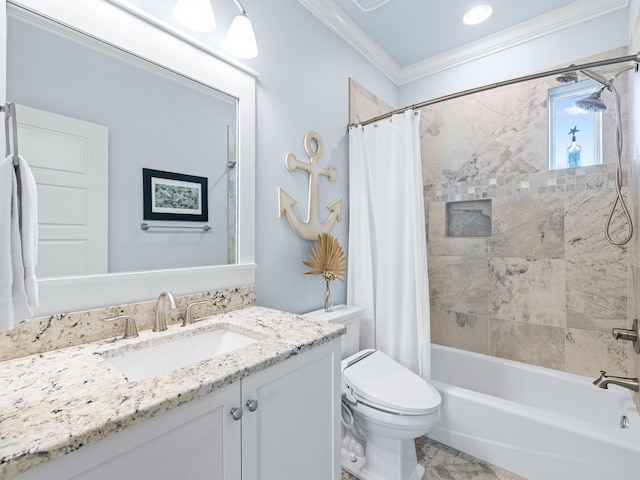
(252, 405)
(236, 413)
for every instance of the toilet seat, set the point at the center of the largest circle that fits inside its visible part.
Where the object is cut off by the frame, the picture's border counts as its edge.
(376, 380)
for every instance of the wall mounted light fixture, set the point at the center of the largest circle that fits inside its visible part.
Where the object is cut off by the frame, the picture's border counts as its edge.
(240, 40)
(197, 15)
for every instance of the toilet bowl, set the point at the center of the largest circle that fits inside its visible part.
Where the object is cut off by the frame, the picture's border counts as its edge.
(385, 407)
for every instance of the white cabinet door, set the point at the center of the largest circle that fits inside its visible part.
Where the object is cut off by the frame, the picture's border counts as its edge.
(295, 431)
(196, 441)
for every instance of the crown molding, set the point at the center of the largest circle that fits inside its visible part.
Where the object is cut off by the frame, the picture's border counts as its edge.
(573, 14)
(338, 21)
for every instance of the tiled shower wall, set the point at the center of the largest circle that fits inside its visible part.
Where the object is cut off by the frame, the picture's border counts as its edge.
(546, 287)
(634, 249)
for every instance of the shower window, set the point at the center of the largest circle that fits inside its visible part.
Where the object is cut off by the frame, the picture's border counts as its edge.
(575, 135)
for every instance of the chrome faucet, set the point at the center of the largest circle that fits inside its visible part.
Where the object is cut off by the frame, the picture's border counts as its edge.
(603, 381)
(161, 322)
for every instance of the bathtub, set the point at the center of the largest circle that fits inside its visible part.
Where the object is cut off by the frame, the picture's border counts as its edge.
(536, 422)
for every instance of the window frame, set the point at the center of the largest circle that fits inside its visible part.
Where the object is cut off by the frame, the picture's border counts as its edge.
(576, 90)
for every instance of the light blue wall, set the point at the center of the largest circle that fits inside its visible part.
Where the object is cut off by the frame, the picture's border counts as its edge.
(550, 51)
(302, 85)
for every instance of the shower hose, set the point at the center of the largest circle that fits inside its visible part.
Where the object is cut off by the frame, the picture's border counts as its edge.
(618, 181)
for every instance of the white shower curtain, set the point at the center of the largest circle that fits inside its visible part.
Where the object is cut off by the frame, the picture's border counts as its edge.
(387, 261)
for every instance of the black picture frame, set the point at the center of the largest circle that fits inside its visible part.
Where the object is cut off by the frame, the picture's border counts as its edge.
(174, 196)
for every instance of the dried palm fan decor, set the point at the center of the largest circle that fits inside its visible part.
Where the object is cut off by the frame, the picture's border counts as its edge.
(327, 259)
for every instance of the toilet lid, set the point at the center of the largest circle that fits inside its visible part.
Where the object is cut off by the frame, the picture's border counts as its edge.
(379, 381)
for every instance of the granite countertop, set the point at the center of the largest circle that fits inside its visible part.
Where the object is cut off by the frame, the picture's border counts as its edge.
(55, 402)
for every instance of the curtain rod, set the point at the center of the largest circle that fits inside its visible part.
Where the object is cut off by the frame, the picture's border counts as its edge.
(535, 76)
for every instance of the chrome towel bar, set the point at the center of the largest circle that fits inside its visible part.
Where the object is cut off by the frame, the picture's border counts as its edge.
(146, 226)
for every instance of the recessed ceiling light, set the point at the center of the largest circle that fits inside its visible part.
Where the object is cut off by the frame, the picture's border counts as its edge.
(477, 14)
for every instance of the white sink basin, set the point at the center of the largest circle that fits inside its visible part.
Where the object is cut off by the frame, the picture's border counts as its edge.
(158, 359)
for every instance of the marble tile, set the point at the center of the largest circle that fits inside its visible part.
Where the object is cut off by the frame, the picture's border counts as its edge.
(468, 219)
(634, 308)
(538, 234)
(634, 312)
(589, 352)
(634, 199)
(445, 463)
(460, 330)
(515, 142)
(586, 215)
(466, 471)
(459, 284)
(527, 290)
(596, 295)
(540, 345)
(363, 104)
(502, 132)
(438, 244)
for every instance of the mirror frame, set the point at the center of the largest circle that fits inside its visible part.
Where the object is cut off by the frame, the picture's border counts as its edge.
(113, 25)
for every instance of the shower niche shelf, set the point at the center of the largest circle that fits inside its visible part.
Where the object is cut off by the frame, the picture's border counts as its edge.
(470, 219)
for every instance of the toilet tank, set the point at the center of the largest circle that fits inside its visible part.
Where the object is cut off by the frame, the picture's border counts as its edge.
(349, 317)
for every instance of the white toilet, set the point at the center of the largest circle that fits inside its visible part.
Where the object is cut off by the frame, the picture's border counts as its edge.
(385, 407)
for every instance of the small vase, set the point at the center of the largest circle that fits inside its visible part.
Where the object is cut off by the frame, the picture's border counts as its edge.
(328, 297)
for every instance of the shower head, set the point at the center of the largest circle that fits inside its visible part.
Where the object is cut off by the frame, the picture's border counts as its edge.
(569, 77)
(593, 102)
(572, 77)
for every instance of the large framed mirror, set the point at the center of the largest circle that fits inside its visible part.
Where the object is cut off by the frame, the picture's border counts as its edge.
(137, 98)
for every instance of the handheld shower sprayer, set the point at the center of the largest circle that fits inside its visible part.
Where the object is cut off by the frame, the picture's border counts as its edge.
(595, 103)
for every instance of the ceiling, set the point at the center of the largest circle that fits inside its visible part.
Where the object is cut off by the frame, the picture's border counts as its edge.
(410, 39)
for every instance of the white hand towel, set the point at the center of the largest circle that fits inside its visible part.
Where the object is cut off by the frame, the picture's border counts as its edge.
(21, 310)
(18, 243)
(29, 231)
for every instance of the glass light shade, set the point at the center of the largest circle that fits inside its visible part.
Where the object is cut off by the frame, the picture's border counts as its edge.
(369, 5)
(477, 14)
(196, 15)
(240, 40)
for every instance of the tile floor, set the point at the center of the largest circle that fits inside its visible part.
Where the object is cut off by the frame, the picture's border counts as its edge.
(445, 463)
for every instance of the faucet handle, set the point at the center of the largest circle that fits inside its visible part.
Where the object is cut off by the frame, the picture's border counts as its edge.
(632, 335)
(188, 317)
(130, 329)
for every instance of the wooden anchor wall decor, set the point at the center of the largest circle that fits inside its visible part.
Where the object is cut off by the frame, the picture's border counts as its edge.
(310, 228)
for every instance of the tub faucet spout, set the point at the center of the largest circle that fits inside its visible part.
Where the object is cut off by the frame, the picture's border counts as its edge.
(603, 381)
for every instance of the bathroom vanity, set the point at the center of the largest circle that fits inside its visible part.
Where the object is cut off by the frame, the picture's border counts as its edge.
(266, 410)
